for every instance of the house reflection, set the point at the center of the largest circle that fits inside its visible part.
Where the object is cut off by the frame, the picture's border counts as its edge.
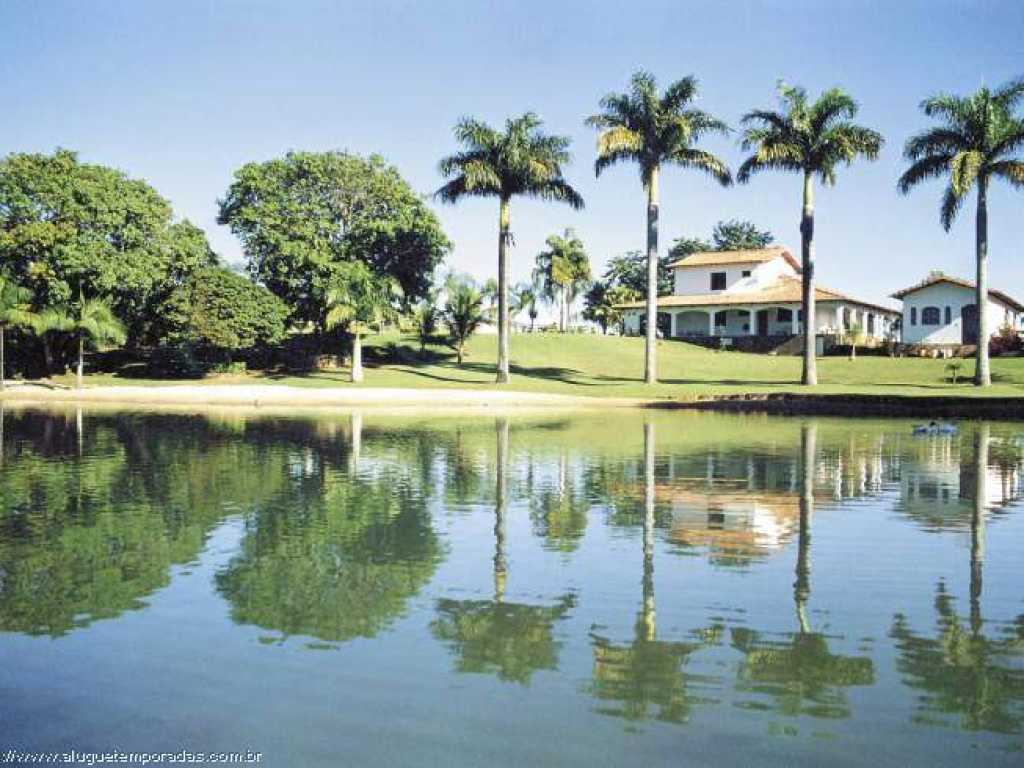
(940, 482)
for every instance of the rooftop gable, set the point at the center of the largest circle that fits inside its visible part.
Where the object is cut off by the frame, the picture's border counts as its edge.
(936, 278)
(726, 258)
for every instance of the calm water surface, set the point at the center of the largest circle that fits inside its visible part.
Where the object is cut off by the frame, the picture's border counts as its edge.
(626, 588)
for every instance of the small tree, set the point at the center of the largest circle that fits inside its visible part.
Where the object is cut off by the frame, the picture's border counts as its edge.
(425, 317)
(93, 320)
(524, 299)
(14, 311)
(359, 300)
(463, 313)
(855, 334)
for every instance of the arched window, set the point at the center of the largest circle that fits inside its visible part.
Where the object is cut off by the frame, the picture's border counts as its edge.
(931, 316)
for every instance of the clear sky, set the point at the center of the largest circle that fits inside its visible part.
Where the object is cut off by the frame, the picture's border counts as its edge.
(182, 93)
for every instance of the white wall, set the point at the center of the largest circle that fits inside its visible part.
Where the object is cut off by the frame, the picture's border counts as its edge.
(695, 280)
(956, 297)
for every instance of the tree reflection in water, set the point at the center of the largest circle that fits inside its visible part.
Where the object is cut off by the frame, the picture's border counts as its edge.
(967, 678)
(801, 674)
(644, 679)
(337, 555)
(509, 640)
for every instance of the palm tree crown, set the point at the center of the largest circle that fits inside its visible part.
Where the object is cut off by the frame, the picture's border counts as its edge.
(522, 160)
(806, 137)
(980, 138)
(653, 129)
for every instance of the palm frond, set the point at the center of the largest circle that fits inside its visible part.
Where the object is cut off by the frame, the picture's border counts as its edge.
(930, 167)
(964, 170)
(935, 141)
(951, 204)
(1009, 170)
(700, 160)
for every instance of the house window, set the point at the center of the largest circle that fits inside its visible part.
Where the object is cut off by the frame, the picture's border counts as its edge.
(784, 315)
(745, 273)
(931, 316)
(949, 315)
(718, 281)
(720, 319)
(913, 315)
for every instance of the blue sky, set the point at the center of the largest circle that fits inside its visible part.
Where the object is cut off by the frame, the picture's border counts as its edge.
(183, 93)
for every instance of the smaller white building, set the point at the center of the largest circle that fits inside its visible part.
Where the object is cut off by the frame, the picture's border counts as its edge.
(941, 310)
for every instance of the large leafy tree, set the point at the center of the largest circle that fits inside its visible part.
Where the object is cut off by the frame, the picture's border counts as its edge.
(980, 138)
(810, 138)
(302, 216)
(520, 161)
(738, 235)
(561, 271)
(15, 310)
(653, 129)
(360, 300)
(220, 309)
(67, 225)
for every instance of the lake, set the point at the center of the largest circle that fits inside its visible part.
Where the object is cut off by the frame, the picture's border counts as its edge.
(576, 589)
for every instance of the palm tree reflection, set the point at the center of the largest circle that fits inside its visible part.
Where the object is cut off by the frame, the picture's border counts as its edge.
(968, 679)
(509, 640)
(644, 679)
(801, 673)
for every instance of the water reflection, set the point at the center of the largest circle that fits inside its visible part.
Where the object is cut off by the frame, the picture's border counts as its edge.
(799, 672)
(330, 528)
(337, 554)
(966, 677)
(645, 677)
(509, 640)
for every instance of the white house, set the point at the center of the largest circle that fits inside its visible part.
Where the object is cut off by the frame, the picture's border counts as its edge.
(754, 293)
(941, 310)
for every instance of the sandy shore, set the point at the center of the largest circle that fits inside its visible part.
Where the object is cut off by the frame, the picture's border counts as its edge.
(275, 396)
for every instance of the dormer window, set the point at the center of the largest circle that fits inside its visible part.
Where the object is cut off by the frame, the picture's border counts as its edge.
(718, 281)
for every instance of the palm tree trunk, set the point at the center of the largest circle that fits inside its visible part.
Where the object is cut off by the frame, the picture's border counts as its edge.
(802, 586)
(982, 375)
(810, 371)
(981, 452)
(3, 361)
(500, 491)
(646, 623)
(503, 236)
(81, 361)
(565, 309)
(357, 358)
(650, 347)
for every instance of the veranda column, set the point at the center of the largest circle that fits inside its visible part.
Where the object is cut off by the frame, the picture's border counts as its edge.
(795, 321)
(711, 323)
(839, 319)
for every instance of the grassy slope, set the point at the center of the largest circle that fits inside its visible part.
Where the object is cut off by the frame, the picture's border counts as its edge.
(612, 367)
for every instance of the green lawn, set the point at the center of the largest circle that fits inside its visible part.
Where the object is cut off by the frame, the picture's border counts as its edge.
(612, 367)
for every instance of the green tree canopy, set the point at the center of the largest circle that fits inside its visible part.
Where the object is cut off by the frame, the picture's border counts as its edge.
(301, 216)
(216, 307)
(67, 225)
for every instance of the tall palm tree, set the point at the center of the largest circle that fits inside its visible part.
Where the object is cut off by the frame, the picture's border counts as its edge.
(519, 161)
(562, 271)
(653, 129)
(980, 138)
(360, 300)
(810, 138)
(14, 311)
